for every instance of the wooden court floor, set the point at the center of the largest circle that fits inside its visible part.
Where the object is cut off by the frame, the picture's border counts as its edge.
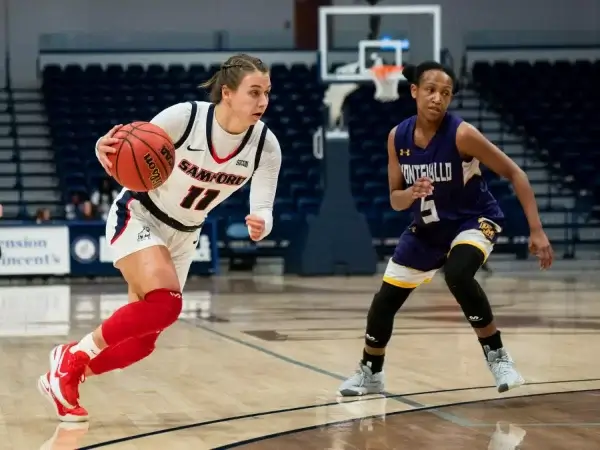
(254, 363)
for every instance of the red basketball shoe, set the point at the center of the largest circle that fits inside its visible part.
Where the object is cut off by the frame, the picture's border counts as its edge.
(77, 414)
(67, 372)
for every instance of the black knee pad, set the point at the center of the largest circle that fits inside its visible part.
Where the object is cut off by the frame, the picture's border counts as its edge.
(459, 272)
(380, 320)
(463, 260)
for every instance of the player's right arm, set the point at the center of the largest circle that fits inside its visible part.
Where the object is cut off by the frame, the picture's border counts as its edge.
(401, 198)
(173, 120)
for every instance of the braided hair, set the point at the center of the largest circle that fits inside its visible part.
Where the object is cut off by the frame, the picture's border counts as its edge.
(231, 74)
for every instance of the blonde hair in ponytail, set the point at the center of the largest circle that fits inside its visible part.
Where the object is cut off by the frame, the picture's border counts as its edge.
(231, 74)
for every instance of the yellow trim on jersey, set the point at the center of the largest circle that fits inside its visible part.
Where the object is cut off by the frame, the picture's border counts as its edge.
(474, 244)
(403, 284)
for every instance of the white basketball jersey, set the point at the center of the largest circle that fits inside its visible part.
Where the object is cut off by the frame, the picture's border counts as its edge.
(201, 179)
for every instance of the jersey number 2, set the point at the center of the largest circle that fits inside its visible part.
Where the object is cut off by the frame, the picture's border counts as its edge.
(429, 212)
(192, 197)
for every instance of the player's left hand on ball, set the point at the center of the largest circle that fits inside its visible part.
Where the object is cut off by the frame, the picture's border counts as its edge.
(539, 245)
(256, 226)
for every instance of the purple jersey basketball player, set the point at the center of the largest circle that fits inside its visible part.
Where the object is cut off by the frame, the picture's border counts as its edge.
(434, 171)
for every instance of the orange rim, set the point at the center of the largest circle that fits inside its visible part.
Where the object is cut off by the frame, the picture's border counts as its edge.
(385, 70)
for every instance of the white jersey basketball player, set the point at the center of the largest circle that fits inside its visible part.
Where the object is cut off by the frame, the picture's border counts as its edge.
(210, 165)
(220, 146)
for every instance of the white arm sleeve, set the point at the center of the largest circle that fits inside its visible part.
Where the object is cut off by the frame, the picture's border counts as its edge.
(263, 185)
(173, 120)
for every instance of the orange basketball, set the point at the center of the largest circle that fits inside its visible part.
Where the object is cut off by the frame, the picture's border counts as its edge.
(145, 156)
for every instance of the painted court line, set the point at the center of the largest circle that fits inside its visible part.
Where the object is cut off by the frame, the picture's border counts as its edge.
(441, 414)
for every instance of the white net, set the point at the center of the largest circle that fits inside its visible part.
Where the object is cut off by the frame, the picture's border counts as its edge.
(386, 78)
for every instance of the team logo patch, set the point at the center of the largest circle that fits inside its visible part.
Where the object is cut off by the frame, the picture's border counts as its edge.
(488, 230)
(144, 235)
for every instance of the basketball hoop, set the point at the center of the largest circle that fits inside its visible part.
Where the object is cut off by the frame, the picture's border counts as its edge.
(386, 78)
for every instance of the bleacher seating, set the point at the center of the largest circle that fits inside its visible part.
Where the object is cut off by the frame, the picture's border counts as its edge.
(556, 106)
(82, 103)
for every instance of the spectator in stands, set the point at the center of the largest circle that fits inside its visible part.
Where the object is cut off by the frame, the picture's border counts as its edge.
(103, 197)
(42, 215)
(88, 211)
(73, 209)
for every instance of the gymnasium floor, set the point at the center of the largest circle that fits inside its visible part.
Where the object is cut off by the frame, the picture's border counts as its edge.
(255, 363)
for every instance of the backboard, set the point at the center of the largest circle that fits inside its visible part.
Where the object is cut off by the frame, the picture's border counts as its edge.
(407, 33)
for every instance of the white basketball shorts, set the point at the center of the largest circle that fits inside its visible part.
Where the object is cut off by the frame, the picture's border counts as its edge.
(130, 227)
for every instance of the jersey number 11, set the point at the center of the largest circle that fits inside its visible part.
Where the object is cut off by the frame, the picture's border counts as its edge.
(192, 198)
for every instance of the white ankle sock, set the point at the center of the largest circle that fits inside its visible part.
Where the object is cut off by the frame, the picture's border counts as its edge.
(88, 346)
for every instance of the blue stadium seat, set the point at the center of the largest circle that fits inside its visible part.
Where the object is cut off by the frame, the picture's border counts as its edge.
(82, 103)
(560, 115)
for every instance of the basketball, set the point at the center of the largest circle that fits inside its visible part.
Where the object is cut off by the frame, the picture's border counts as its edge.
(145, 156)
